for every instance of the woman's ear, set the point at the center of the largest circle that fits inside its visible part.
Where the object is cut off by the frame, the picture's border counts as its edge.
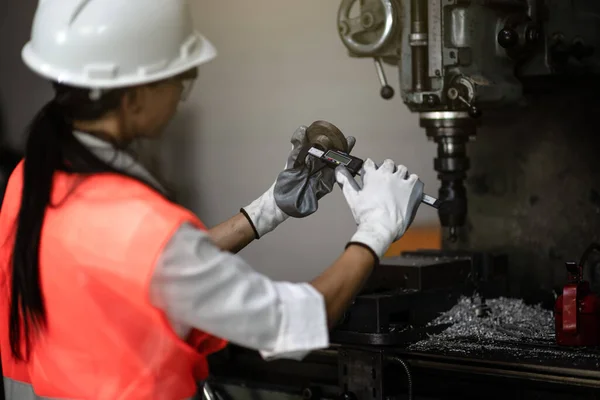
(132, 102)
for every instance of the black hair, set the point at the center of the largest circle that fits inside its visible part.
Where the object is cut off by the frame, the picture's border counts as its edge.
(50, 147)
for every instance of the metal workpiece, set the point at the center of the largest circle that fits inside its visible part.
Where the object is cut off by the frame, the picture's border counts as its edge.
(325, 136)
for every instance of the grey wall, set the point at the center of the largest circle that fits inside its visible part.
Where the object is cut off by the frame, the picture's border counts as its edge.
(21, 92)
(280, 65)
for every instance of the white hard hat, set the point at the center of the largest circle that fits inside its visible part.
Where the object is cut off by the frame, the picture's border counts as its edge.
(108, 44)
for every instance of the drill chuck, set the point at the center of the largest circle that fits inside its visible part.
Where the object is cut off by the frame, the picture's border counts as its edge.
(451, 131)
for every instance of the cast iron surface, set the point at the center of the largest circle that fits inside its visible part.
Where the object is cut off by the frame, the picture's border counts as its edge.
(361, 374)
(534, 188)
(427, 272)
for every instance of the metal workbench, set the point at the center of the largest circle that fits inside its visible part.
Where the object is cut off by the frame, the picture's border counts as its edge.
(529, 371)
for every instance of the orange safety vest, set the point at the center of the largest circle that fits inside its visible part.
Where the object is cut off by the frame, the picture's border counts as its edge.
(104, 339)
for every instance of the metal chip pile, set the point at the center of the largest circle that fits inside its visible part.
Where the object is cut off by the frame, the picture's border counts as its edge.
(510, 328)
(508, 319)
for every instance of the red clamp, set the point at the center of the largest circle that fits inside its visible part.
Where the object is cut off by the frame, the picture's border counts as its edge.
(577, 312)
(569, 308)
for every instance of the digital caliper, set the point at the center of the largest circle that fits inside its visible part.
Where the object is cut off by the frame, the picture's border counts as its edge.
(334, 158)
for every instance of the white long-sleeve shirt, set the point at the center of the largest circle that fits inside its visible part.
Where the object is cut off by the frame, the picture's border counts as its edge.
(199, 286)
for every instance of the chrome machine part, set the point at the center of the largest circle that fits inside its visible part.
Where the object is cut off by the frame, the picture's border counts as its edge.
(387, 92)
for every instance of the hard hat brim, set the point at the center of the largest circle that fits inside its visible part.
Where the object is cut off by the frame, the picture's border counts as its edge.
(206, 54)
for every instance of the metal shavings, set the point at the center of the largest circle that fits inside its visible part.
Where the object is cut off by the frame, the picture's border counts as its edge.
(511, 328)
(508, 319)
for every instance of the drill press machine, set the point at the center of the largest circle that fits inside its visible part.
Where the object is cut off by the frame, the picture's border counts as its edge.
(458, 58)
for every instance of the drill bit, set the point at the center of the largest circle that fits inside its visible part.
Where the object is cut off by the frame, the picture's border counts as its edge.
(453, 237)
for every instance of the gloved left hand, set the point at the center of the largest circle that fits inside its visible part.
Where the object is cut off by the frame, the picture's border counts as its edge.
(296, 191)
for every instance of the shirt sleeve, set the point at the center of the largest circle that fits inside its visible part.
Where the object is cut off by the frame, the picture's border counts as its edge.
(198, 285)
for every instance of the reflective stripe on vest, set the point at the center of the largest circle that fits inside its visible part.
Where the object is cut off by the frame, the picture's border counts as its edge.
(98, 251)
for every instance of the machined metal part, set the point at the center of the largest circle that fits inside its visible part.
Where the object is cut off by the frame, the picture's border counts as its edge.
(326, 136)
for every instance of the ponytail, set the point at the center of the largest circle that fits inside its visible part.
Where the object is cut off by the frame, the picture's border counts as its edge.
(51, 147)
(43, 157)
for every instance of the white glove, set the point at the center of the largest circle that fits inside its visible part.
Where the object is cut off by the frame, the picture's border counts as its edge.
(263, 213)
(385, 206)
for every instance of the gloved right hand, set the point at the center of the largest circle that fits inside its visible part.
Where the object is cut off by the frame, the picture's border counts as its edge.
(385, 206)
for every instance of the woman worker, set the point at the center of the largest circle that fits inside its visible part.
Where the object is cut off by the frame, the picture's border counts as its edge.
(110, 289)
